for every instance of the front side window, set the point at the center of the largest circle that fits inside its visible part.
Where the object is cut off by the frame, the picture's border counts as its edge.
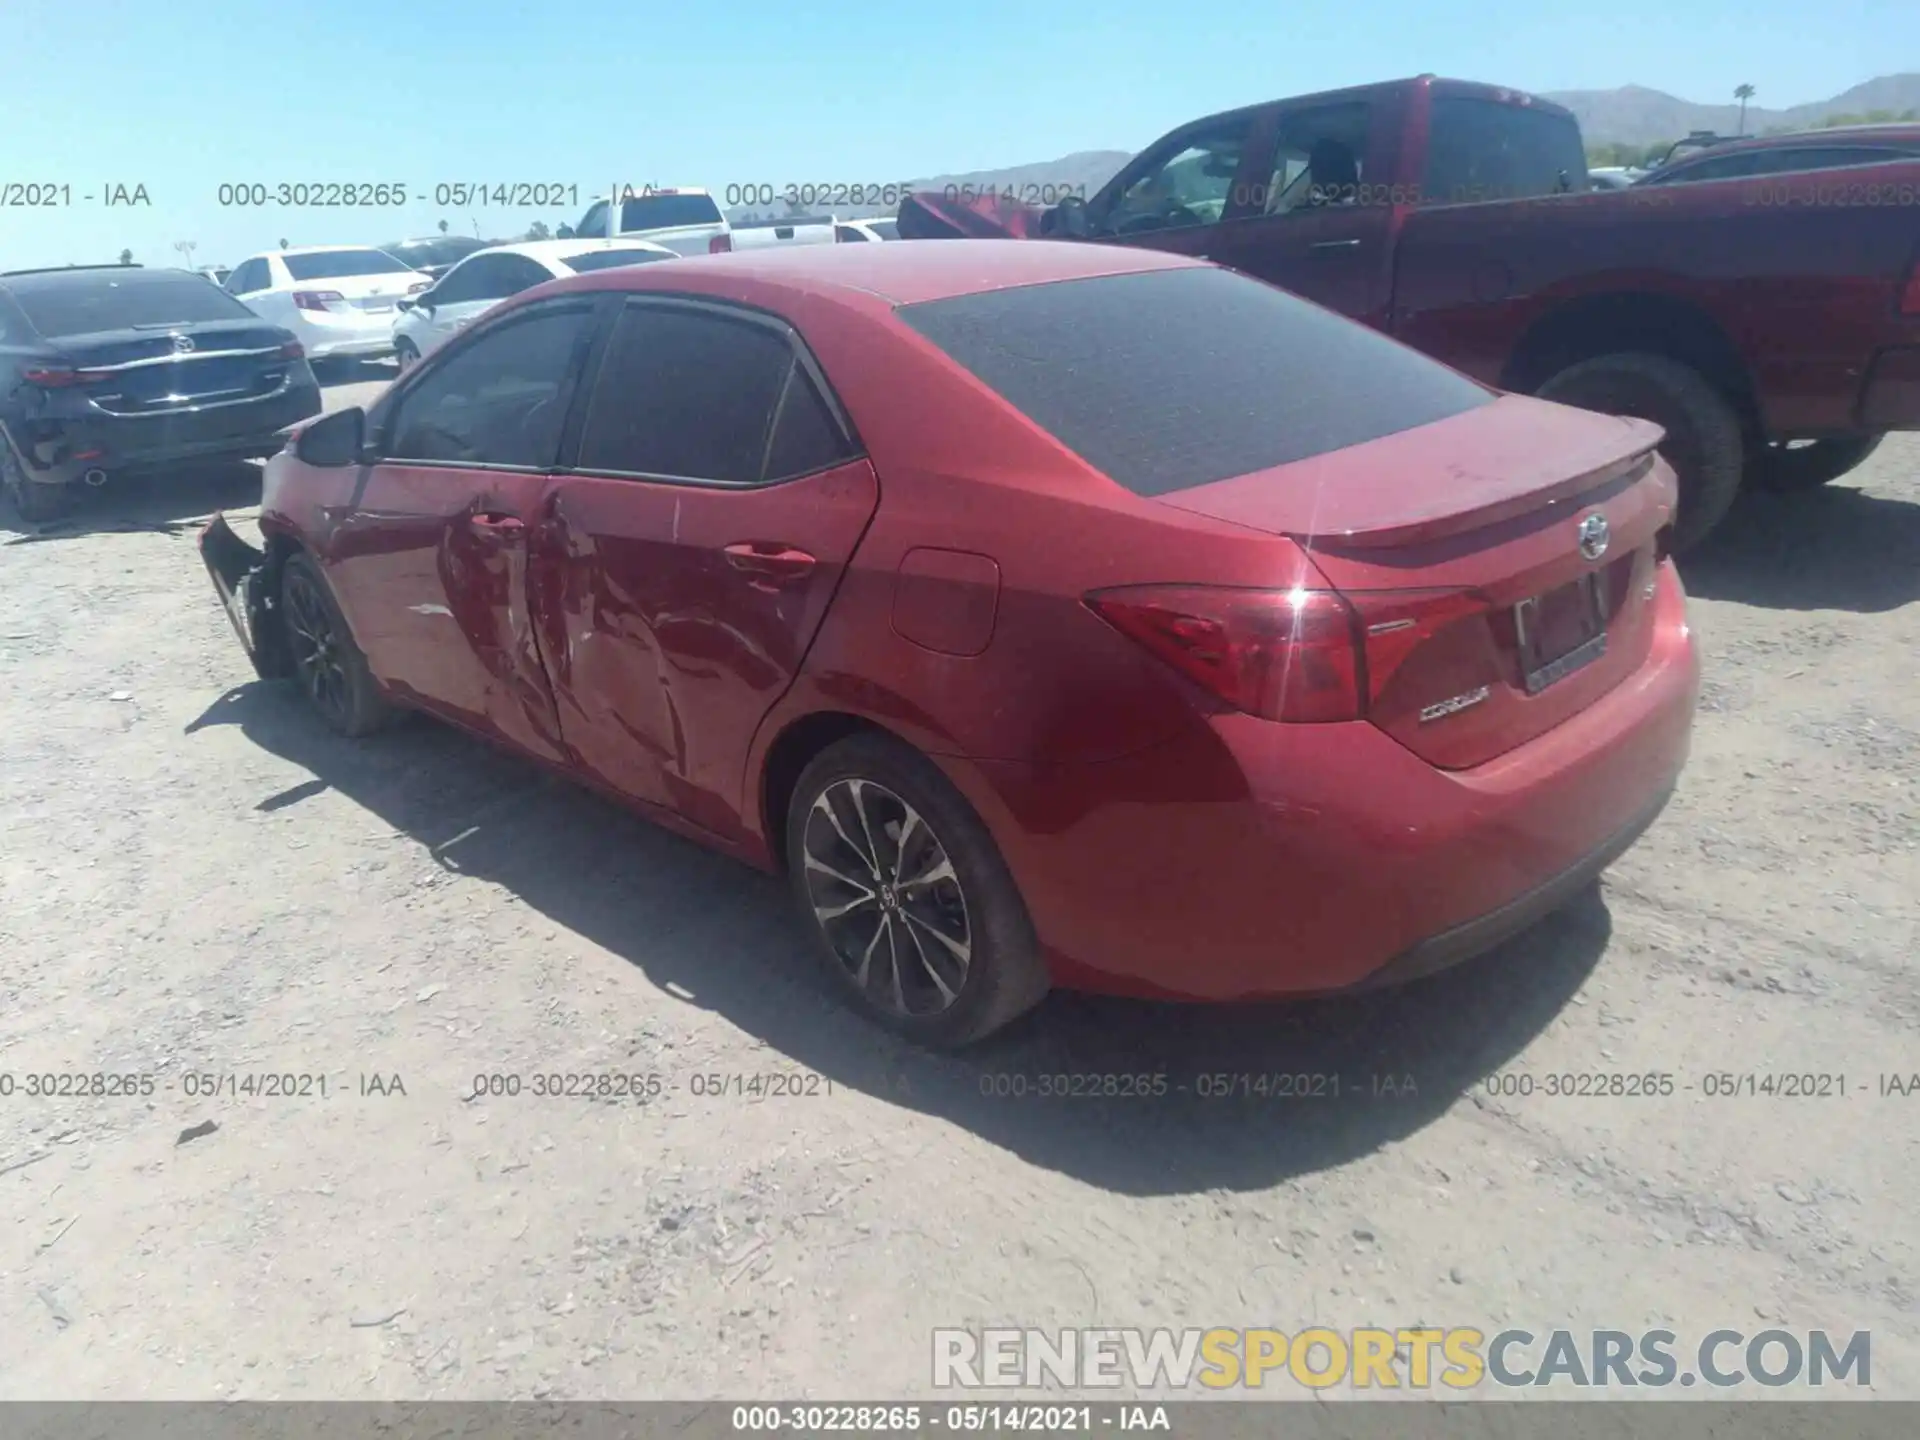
(1188, 184)
(697, 394)
(501, 399)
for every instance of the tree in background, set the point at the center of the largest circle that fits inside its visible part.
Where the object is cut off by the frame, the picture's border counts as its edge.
(538, 231)
(126, 257)
(443, 226)
(1742, 93)
(563, 231)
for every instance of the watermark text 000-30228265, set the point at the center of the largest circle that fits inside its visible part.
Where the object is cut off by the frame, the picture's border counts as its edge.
(1374, 1359)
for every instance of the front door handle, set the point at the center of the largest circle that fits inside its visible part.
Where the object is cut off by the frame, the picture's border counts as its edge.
(769, 561)
(1334, 245)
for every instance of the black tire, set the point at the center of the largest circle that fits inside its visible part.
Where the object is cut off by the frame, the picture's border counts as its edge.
(34, 503)
(1703, 443)
(1809, 466)
(327, 664)
(945, 994)
(405, 355)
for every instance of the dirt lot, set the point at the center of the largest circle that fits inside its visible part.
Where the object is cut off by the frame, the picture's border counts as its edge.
(196, 879)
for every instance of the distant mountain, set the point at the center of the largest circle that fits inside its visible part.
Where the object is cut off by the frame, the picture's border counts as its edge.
(1635, 115)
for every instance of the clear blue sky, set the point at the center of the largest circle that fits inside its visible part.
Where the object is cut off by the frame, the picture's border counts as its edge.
(180, 97)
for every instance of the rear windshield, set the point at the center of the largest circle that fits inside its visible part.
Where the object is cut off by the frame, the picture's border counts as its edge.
(331, 264)
(1486, 150)
(659, 212)
(1176, 378)
(587, 260)
(71, 305)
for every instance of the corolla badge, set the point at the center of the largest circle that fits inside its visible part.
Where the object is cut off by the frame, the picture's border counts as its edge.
(1594, 533)
(182, 345)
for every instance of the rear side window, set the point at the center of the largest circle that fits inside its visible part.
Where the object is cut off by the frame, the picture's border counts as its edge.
(700, 395)
(1177, 378)
(71, 305)
(1485, 150)
(333, 264)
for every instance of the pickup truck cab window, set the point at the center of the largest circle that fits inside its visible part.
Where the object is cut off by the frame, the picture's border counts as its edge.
(1319, 159)
(1480, 150)
(1186, 181)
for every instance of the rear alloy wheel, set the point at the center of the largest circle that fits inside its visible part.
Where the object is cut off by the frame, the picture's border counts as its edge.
(329, 666)
(912, 907)
(1703, 443)
(1809, 464)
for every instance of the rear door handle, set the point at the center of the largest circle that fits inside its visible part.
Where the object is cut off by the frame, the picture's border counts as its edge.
(1334, 245)
(769, 560)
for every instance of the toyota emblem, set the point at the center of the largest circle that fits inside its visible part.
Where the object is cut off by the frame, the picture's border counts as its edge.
(182, 344)
(1594, 534)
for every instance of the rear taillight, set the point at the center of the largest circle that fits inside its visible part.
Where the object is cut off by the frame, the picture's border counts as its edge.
(58, 377)
(293, 350)
(1282, 655)
(315, 299)
(1395, 623)
(1910, 296)
(720, 245)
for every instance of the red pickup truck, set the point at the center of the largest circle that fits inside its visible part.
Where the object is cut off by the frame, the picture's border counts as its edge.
(1771, 325)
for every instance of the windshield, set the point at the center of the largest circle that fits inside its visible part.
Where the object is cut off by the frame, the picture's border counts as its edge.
(444, 250)
(1176, 378)
(338, 264)
(665, 212)
(81, 304)
(583, 261)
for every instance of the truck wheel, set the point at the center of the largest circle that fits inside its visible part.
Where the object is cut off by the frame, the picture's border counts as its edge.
(331, 670)
(1809, 466)
(34, 503)
(1703, 443)
(912, 910)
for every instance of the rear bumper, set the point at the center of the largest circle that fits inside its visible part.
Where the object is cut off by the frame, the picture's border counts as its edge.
(1247, 859)
(327, 335)
(60, 450)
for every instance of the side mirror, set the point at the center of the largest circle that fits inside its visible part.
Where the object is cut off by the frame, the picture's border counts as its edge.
(334, 440)
(403, 303)
(1068, 219)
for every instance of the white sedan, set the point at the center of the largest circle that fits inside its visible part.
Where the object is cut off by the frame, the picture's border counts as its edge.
(486, 277)
(339, 300)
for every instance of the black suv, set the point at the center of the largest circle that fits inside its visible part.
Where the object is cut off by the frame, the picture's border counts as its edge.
(106, 369)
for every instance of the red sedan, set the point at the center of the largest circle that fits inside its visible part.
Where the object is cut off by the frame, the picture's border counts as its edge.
(1051, 614)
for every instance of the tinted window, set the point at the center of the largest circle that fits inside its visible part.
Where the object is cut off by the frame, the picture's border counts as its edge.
(686, 392)
(332, 264)
(70, 305)
(888, 229)
(595, 220)
(499, 400)
(1814, 157)
(805, 437)
(1186, 183)
(487, 277)
(1484, 150)
(657, 212)
(1724, 167)
(1180, 377)
(587, 260)
(847, 235)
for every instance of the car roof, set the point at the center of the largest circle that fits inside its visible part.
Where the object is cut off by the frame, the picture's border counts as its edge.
(316, 250)
(560, 249)
(1907, 132)
(903, 274)
(68, 277)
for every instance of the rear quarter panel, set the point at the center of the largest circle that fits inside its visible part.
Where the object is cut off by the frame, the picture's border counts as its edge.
(1804, 291)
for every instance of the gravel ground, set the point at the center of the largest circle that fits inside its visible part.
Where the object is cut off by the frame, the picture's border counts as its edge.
(196, 879)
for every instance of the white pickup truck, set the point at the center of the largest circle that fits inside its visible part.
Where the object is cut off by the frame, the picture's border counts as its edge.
(790, 230)
(686, 221)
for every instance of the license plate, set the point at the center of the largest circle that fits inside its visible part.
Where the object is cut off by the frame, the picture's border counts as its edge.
(1561, 631)
(377, 303)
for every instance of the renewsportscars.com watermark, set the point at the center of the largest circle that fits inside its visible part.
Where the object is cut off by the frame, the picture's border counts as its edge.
(1369, 1358)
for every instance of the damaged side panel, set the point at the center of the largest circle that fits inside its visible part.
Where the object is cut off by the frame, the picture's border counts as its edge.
(241, 578)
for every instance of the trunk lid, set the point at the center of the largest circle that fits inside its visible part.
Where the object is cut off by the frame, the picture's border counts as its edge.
(153, 368)
(1484, 622)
